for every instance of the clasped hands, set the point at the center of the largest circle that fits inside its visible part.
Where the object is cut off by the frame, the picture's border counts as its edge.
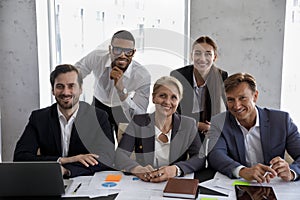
(263, 173)
(149, 174)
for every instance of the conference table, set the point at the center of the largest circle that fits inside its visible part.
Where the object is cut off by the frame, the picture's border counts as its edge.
(290, 190)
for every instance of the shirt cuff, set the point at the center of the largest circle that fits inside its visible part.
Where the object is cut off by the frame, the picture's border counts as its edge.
(126, 103)
(237, 170)
(58, 160)
(295, 175)
(178, 171)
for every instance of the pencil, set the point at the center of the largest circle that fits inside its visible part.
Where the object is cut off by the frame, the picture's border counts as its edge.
(267, 172)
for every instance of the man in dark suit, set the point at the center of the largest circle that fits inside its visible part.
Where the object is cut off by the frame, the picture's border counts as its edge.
(250, 142)
(68, 130)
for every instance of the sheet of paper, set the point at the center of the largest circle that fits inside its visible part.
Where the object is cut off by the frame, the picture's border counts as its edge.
(84, 180)
(212, 184)
(84, 190)
(99, 182)
(222, 181)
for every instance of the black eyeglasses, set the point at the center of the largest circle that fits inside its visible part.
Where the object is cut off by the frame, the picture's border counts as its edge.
(118, 51)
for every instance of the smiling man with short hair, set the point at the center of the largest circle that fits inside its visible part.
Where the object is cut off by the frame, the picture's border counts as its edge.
(122, 85)
(71, 132)
(249, 141)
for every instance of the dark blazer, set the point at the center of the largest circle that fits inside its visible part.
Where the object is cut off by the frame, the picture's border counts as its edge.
(185, 76)
(140, 137)
(226, 140)
(91, 133)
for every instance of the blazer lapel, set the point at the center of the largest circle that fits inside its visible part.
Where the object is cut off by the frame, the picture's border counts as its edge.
(55, 127)
(265, 135)
(175, 146)
(190, 73)
(148, 143)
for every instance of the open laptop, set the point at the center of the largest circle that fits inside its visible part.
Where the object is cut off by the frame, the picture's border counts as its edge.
(31, 179)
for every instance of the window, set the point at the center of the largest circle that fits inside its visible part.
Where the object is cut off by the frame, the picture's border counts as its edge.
(74, 28)
(290, 78)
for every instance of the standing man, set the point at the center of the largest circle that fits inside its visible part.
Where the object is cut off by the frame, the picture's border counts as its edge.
(122, 85)
(250, 142)
(73, 133)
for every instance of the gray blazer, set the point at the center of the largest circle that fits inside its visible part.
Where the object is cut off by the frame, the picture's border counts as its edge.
(140, 138)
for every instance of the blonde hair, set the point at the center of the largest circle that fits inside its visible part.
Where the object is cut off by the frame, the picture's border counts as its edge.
(168, 80)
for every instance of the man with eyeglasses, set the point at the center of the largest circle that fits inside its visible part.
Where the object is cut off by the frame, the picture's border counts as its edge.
(122, 85)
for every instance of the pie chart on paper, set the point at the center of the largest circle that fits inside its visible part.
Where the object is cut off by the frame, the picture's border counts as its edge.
(109, 184)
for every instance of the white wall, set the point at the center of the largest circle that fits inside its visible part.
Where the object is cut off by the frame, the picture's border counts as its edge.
(250, 35)
(18, 69)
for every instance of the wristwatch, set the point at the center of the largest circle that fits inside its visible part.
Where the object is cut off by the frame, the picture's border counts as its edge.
(123, 92)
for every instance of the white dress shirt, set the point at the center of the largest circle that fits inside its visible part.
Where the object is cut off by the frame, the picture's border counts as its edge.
(161, 150)
(253, 147)
(66, 129)
(199, 98)
(136, 80)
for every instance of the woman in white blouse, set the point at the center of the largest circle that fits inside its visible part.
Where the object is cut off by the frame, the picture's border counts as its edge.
(165, 143)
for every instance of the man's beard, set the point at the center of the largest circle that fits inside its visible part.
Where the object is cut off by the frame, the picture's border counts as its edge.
(123, 68)
(63, 105)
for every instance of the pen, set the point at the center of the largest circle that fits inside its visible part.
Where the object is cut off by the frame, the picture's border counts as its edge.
(266, 173)
(77, 188)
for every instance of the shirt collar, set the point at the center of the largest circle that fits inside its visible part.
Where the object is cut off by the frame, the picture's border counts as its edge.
(158, 132)
(195, 82)
(60, 115)
(256, 122)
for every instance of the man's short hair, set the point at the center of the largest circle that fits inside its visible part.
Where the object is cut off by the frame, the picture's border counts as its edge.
(123, 34)
(64, 68)
(234, 80)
